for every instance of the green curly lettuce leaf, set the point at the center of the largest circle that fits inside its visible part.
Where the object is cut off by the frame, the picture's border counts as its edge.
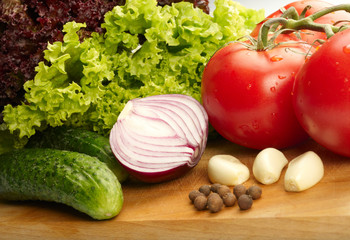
(145, 50)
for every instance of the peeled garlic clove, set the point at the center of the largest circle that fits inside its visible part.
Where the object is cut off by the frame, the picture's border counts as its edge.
(303, 172)
(268, 165)
(227, 170)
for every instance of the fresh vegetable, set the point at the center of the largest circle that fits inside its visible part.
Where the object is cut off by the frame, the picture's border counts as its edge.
(160, 137)
(303, 172)
(247, 94)
(75, 179)
(202, 4)
(227, 170)
(303, 9)
(80, 140)
(27, 26)
(268, 165)
(247, 87)
(145, 50)
(321, 94)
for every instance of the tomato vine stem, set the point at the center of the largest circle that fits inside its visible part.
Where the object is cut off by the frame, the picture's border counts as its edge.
(292, 21)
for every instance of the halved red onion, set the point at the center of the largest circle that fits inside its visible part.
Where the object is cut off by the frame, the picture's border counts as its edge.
(159, 138)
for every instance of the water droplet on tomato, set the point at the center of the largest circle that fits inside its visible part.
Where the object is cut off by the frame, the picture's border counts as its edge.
(255, 124)
(273, 89)
(346, 49)
(244, 128)
(346, 80)
(281, 77)
(249, 86)
(276, 58)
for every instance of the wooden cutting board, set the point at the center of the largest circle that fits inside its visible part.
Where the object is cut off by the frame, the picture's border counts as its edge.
(163, 211)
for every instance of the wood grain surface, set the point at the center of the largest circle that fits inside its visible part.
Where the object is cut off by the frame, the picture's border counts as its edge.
(163, 211)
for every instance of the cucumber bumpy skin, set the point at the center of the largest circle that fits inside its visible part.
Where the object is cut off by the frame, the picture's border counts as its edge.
(79, 140)
(75, 179)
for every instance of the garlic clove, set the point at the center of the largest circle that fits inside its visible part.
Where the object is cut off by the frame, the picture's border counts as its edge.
(303, 172)
(268, 165)
(227, 170)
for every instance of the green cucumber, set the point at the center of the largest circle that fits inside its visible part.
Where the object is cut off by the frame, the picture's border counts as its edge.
(75, 179)
(79, 140)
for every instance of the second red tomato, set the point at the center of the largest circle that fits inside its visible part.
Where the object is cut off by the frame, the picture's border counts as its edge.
(321, 94)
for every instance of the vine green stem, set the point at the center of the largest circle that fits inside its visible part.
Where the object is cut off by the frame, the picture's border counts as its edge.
(296, 22)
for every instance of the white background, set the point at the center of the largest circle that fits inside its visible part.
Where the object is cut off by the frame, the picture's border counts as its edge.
(271, 6)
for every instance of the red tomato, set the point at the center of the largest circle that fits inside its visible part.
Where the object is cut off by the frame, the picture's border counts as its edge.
(307, 35)
(321, 94)
(247, 95)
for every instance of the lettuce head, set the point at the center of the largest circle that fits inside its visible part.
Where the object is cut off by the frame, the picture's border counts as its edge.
(145, 50)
